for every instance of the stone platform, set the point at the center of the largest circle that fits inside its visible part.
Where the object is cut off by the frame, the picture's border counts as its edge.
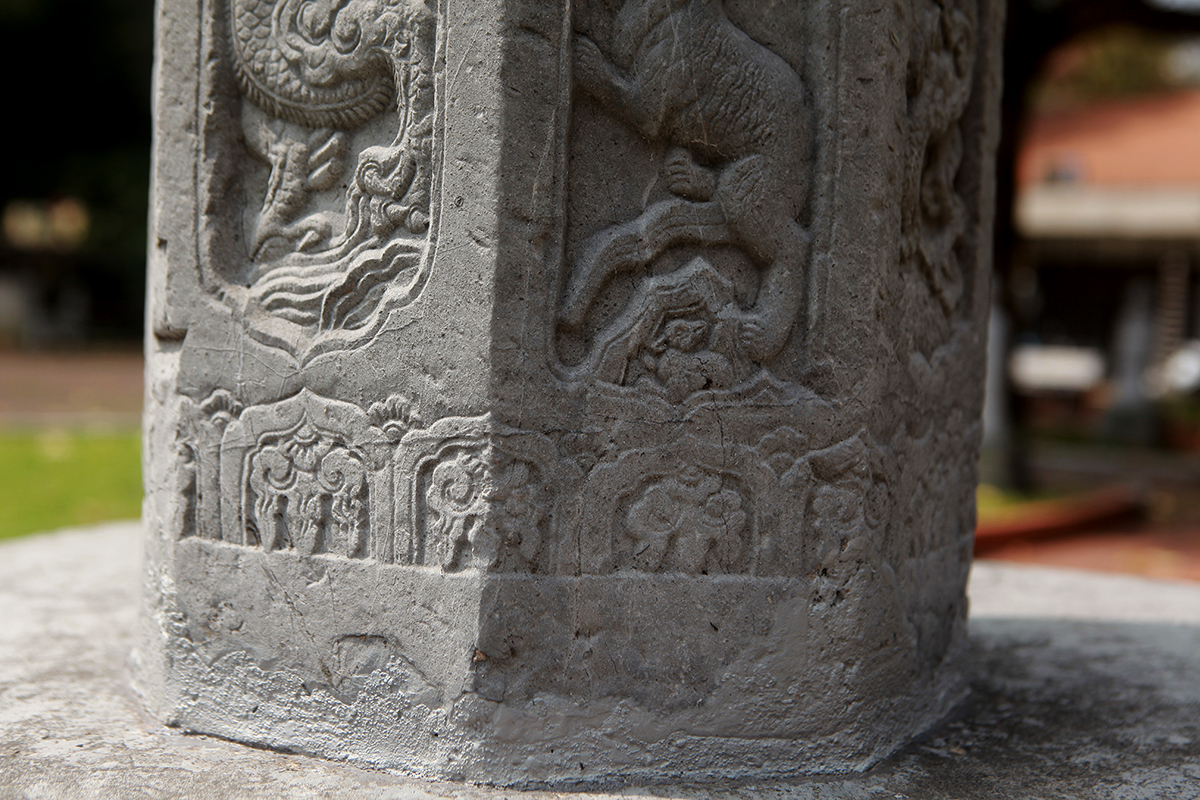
(1087, 686)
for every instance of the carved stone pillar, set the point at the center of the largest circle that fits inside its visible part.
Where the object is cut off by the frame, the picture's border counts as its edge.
(553, 392)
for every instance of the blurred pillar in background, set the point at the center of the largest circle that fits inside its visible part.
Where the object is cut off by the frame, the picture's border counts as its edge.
(997, 430)
(1171, 320)
(1130, 420)
(1195, 327)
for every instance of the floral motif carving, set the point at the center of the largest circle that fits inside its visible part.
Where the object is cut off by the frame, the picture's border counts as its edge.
(706, 506)
(695, 506)
(483, 517)
(395, 416)
(308, 493)
(940, 70)
(221, 407)
(456, 499)
(479, 497)
(693, 521)
(315, 476)
(306, 474)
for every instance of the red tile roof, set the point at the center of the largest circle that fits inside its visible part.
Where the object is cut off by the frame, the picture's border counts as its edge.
(1149, 141)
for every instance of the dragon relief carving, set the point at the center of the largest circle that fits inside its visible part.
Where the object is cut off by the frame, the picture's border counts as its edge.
(735, 119)
(324, 79)
(940, 70)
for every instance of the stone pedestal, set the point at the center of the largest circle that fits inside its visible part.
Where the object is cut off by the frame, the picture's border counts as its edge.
(547, 393)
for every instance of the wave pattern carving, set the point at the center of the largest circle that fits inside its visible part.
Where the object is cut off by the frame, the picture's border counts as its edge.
(340, 113)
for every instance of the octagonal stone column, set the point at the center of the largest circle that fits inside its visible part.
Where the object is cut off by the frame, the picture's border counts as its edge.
(547, 393)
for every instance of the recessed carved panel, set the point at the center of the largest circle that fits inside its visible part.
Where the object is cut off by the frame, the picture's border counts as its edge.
(309, 475)
(478, 497)
(940, 72)
(474, 514)
(307, 492)
(694, 521)
(314, 476)
(198, 447)
(702, 278)
(691, 507)
(337, 117)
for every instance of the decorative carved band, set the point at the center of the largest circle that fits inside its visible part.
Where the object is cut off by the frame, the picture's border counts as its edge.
(317, 477)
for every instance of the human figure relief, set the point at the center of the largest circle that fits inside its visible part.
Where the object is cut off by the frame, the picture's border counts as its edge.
(736, 118)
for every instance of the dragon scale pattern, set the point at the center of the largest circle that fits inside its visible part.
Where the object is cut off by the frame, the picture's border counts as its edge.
(290, 62)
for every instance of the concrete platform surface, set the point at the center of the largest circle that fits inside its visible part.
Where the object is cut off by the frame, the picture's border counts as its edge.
(1088, 686)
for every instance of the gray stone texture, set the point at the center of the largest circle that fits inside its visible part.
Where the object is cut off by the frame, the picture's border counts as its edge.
(546, 393)
(1086, 687)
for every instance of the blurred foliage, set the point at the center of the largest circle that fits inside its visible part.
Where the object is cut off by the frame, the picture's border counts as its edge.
(993, 504)
(1184, 408)
(1110, 63)
(57, 478)
(77, 85)
(1181, 421)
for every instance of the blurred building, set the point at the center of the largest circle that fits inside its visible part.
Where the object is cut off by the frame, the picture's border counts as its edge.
(74, 189)
(1108, 212)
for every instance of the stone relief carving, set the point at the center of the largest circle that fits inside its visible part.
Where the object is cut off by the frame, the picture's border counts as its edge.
(314, 476)
(311, 475)
(395, 416)
(677, 337)
(940, 70)
(846, 505)
(198, 449)
(777, 508)
(316, 75)
(340, 112)
(484, 517)
(455, 499)
(697, 350)
(695, 507)
(479, 498)
(693, 521)
(307, 493)
(734, 121)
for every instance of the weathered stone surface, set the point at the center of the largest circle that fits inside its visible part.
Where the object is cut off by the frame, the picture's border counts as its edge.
(1086, 687)
(562, 392)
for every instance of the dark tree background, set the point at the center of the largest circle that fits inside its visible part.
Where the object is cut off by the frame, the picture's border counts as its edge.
(77, 79)
(77, 85)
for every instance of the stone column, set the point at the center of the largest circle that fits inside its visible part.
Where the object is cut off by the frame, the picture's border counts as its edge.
(566, 392)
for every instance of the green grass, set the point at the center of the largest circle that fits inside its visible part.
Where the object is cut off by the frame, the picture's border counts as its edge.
(995, 505)
(56, 478)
